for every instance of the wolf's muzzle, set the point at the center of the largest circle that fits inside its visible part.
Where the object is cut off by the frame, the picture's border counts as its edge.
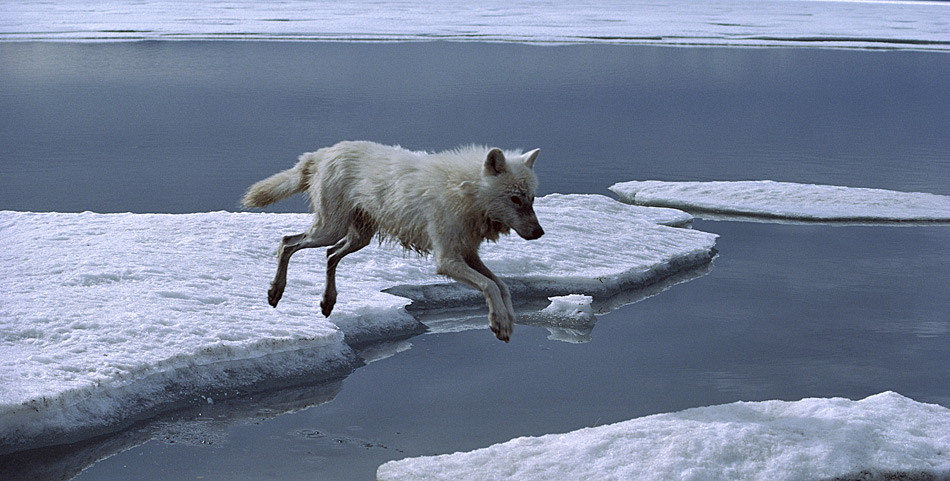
(537, 232)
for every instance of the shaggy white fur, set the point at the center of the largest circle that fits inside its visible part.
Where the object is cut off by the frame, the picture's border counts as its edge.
(445, 203)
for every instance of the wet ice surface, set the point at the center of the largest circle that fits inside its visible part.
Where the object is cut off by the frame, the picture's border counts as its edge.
(108, 318)
(775, 440)
(861, 24)
(766, 199)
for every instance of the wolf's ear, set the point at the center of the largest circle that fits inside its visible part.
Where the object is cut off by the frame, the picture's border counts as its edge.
(530, 157)
(495, 163)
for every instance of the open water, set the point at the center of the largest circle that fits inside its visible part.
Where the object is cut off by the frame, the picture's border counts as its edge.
(786, 312)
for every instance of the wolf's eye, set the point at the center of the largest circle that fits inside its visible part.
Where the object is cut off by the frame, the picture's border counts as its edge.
(516, 200)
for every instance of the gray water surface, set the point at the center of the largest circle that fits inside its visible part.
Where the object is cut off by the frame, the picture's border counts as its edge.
(186, 126)
(786, 312)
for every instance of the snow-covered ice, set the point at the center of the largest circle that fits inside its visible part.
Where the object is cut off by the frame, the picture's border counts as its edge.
(824, 23)
(767, 199)
(811, 439)
(109, 318)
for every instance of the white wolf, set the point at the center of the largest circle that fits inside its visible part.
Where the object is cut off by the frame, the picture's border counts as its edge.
(445, 204)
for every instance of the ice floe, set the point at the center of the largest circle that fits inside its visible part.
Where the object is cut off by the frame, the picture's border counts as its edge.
(824, 23)
(109, 318)
(765, 199)
(815, 439)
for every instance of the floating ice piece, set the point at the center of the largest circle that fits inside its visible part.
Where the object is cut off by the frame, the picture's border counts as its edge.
(568, 318)
(571, 306)
(842, 24)
(775, 440)
(109, 318)
(766, 199)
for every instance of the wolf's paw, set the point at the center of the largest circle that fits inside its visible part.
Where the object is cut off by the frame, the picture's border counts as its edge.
(326, 307)
(274, 294)
(502, 326)
(328, 300)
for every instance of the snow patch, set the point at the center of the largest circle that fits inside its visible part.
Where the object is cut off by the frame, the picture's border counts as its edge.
(766, 199)
(775, 440)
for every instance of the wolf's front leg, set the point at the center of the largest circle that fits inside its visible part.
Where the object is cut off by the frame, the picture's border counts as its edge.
(500, 318)
(501, 322)
(475, 262)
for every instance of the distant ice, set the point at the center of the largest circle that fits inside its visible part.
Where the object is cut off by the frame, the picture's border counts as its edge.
(109, 318)
(823, 23)
(766, 199)
(811, 439)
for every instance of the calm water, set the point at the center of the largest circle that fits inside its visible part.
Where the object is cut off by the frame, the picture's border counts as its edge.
(184, 127)
(788, 311)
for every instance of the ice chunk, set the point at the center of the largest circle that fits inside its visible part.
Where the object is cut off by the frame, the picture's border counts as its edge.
(108, 318)
(572, 306)
(837, 24)
(766, 199)
(568, 318)
(775, 440)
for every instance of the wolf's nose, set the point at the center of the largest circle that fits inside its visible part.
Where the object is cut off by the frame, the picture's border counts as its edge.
(538, 232)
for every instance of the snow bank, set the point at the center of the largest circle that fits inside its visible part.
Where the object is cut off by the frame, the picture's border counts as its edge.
(811, 439)
(849, 24)
(108, 318)
(790, 201)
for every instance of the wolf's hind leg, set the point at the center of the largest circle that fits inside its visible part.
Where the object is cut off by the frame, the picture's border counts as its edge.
(288, 245)
(358, 236)
(335, 247)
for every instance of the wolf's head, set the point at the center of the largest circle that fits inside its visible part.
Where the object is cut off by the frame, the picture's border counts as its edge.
(507, 192)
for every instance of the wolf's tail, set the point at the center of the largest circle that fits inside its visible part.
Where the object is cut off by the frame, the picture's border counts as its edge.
(280, 185)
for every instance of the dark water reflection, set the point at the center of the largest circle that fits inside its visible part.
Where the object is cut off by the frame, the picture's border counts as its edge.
(787, 311)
